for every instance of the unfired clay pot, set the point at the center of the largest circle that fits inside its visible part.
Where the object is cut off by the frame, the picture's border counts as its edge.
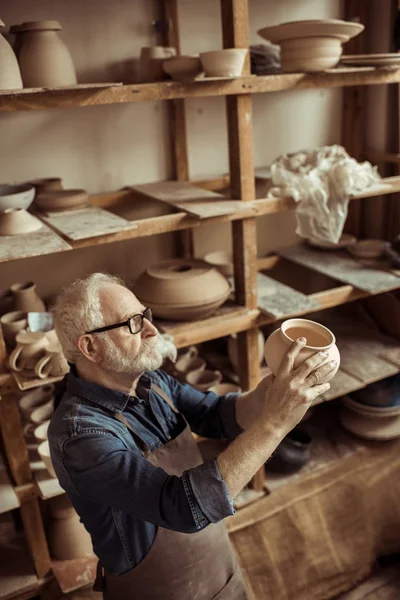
(17, 222)
(224, 63)
(310, 55)
(204, 379)
(183, 67)
(10, 76)
(47, 184)
(12, 323)
(318, 338)
(52, 364)
(40, 432)
(30, 347)
(44, 59)
(67, 537)
(60, 200)
(26, 298)
(370, 427)
(222, 260)
(42, 413)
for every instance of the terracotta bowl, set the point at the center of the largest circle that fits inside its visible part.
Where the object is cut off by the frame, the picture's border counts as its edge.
(310, 54)
(18, 221)
(224, 63)
(47, 184)
(60, 200)
(183, 67)
(16, 196)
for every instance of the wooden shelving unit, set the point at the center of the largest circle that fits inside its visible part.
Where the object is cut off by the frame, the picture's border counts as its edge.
(237, 199)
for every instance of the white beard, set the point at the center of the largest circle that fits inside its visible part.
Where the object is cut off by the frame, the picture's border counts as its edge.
(148, 359)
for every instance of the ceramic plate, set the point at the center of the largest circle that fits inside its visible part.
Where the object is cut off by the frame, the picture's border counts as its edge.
(371, 60)
(344, 242)
(343, 30)
(368, 248)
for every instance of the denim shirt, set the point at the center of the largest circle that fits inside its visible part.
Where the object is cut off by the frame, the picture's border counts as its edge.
(120, 496)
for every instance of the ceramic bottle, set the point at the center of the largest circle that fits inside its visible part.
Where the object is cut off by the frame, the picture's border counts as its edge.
(10, 76)
(44, 59)
(26, 298)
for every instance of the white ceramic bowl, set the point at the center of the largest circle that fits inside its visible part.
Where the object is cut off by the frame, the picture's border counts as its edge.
(16, 196)
(224, 63)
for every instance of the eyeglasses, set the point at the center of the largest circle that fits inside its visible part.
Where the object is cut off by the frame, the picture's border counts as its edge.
(134, 323)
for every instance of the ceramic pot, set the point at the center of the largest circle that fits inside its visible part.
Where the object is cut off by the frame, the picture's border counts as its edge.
(33, 399)
(369, 427)
(67, 537)
(225, 388)
(10, 76)
(151, 63)
(204, 379)
(292, 453)
(26, 297)
(31, 345)
(47, 184)
(40, 432)
(16, 196)
(232, 348)
(42, 413)
(44, 59)
(12, 323)
(221, 260)
(182, 68)
(60, 200)
(16, 221)
(188, 288)
(319, 338)
(224, 63)
(52, 364)
(309, 55)
(44, 453)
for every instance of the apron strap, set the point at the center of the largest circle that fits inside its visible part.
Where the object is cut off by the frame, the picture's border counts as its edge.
(143, 447)
(164, 396)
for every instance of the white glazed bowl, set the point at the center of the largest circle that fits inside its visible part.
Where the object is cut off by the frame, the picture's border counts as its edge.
(16, 196)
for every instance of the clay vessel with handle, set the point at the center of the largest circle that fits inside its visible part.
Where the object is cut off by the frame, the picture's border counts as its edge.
(30, 346)
(52, 364)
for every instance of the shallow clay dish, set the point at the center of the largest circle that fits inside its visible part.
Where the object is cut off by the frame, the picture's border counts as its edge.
(368, 248)
(183, 67)
(345, 241)
(333, 28)
(58, 201)
(16, 196)
(17, 222)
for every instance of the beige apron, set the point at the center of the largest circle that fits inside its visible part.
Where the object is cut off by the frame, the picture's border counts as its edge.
(179, 566)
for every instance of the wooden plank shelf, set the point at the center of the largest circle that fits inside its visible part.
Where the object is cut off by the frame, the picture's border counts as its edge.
(40, 242)
(41, 99)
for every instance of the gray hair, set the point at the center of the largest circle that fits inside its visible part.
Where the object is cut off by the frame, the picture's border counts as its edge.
(77, 310)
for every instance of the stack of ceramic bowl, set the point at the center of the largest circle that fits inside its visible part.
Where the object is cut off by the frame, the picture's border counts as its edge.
(314, 45)
(182, 289)
(371, 422)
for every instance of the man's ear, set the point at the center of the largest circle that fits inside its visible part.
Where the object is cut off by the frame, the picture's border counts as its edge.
(89, 347)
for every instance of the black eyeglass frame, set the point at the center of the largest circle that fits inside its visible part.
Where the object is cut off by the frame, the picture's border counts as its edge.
(146, 314)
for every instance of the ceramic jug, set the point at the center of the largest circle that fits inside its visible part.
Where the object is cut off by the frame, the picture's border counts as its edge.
(318, 338)
(10, 76)
(44, 59)
(203, 380)
(292, 453)
(52, 364)
(33, 399)
(31, 345)
(67, 537)
(11, 324)
(26, 298)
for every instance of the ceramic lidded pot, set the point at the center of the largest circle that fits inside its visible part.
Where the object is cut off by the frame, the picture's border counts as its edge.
(292, 453)
(44, 59)
(182, 289)
(67, 537)
(30, 347)
(26, 297)
(10, 76)
(319, 338)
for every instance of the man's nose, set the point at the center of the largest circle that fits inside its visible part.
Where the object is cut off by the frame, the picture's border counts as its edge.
(149, 330)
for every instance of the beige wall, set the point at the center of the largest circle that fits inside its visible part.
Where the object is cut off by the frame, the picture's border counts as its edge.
(106, 147)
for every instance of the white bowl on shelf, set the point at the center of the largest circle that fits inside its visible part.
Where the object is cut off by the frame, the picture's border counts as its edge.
(224, 63)
(16, 196)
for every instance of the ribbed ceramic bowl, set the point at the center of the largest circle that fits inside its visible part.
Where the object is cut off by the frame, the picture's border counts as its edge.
(60, 200)
(16, 196)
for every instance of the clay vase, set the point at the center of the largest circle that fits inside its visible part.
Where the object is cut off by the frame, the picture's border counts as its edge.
(67, 537)
(319, 338)
(26, 297)
(292, 453)
(10, 76)
(11, 324)
(232, 348)
(34, 399)
(31, 346)
(52, 364)
(204, 379)
(44, 59)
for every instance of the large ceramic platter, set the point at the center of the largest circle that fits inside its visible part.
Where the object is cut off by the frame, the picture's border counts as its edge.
(371, 60)
(342, 30)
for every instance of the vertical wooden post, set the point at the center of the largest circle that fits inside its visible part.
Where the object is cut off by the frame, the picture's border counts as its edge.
(353, 126)
(235, 29)
(177, 117)
(18, 460)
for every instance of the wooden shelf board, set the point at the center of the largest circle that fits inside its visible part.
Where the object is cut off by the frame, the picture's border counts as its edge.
(40, 99)
(8, 498)
(37, 243)
(17, 576)
(26, 383)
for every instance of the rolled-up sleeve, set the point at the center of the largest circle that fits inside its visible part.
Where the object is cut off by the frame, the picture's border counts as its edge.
(208, 414)
(102, 469)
